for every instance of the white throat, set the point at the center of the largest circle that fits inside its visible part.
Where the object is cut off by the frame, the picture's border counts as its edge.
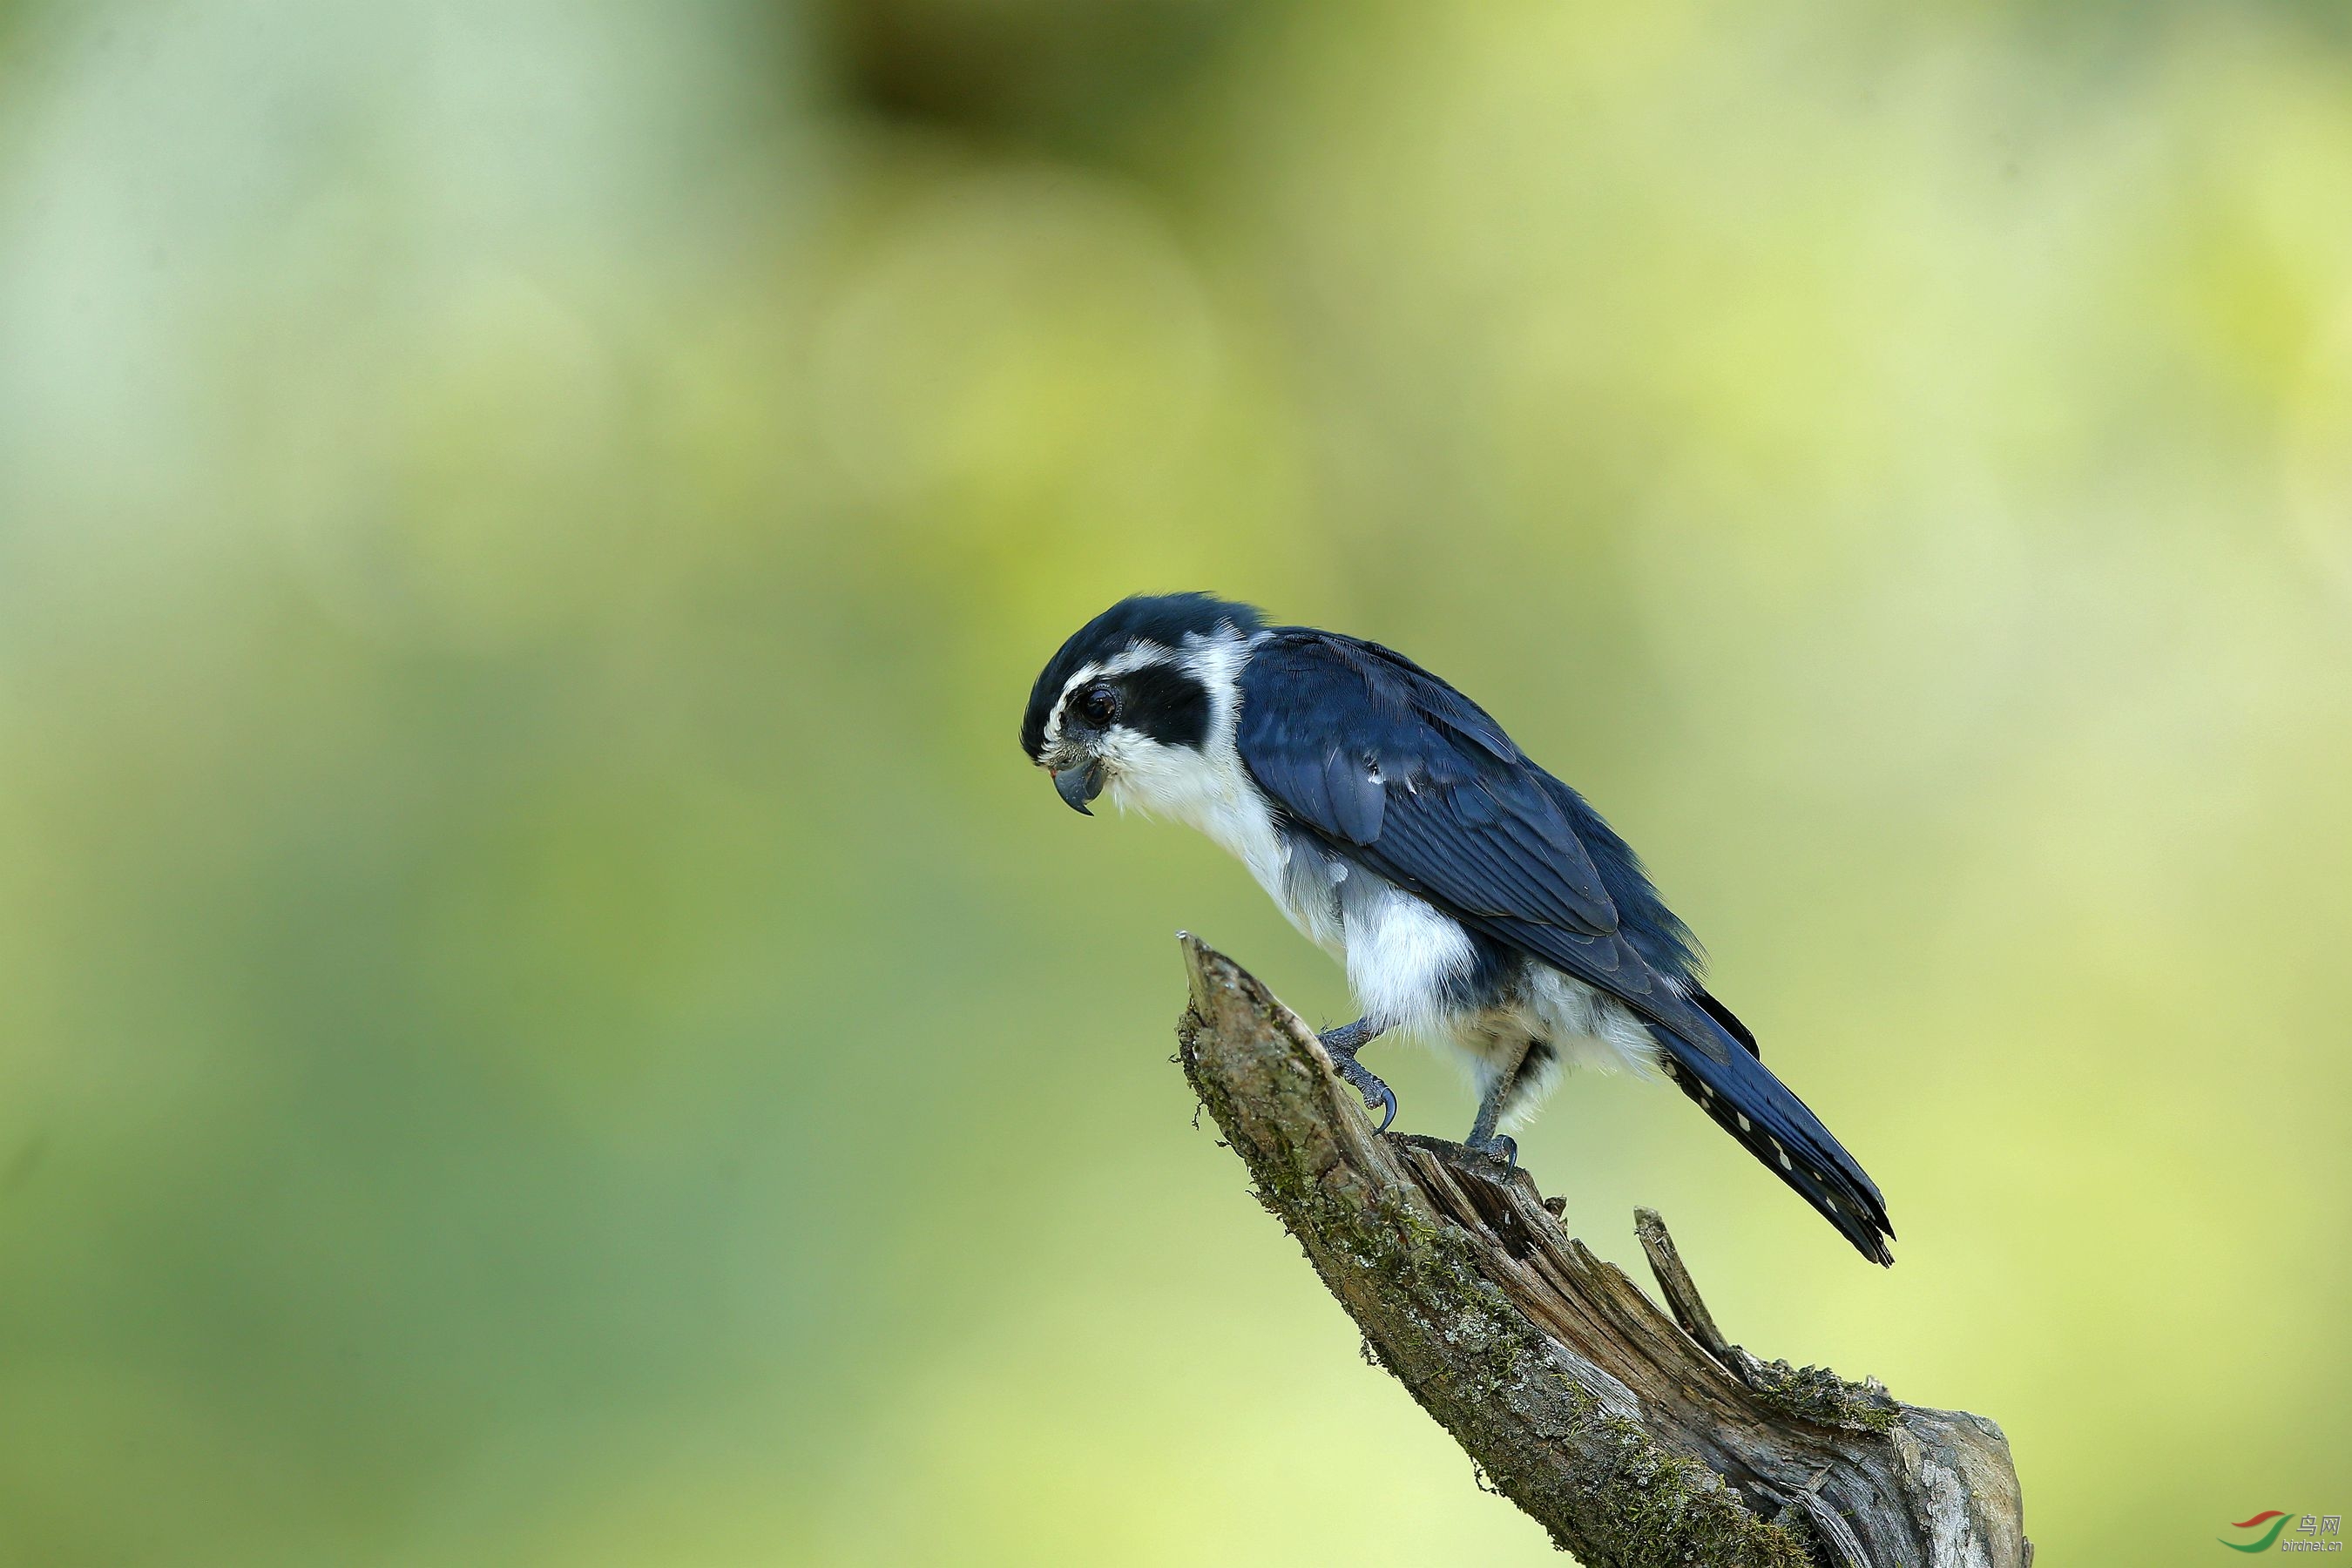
(1208, 788)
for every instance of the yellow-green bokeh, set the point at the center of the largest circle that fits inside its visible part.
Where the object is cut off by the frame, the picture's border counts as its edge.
(543, 1020)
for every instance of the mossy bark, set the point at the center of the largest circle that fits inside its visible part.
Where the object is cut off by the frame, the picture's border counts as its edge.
(1630, 1441)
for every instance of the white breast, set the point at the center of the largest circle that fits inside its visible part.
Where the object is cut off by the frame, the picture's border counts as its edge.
(1211, 791)
(1401, 953)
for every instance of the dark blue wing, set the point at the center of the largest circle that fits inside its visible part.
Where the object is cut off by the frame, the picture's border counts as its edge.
(1378, 755)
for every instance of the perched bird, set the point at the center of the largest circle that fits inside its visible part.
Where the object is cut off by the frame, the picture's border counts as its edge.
(1473, 898)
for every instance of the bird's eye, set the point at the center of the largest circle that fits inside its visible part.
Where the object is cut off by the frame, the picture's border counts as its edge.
(1098, 706)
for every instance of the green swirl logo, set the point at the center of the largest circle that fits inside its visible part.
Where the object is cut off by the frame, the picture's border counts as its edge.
(2275, 1518)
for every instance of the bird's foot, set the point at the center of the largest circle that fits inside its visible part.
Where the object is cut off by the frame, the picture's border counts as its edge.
(1499, 1147)
(1378, 1097)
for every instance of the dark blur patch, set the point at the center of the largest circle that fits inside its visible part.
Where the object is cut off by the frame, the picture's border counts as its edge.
(1073, 76)
(1079, 77)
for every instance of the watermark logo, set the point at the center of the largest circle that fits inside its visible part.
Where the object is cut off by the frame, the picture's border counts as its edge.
(2313, 1532)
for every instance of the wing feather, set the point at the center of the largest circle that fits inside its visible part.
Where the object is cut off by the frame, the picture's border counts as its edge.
(1370, 751)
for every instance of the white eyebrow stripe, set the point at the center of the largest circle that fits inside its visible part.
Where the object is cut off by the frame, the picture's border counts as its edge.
(1137, 654)
(1053, 720)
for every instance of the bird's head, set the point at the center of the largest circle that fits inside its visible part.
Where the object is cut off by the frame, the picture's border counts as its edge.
(1136, 693)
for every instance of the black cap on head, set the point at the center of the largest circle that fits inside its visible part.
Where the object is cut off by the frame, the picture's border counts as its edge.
(1163, 618)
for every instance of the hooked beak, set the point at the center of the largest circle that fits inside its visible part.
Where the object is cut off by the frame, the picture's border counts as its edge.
(1077, 785)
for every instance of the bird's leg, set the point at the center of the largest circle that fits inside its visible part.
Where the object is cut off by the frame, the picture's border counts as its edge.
(1343, 1043)
(1483, 1136)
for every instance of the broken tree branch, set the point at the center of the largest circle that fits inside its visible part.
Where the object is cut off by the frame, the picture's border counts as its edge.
(1633, 1438)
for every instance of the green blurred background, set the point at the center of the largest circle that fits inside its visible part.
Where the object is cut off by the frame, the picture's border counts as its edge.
(545, 1021)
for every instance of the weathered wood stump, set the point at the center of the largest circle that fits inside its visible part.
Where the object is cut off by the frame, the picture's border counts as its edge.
(1632, 1436)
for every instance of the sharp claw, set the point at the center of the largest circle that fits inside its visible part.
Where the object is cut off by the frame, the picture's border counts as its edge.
(1376, 1095)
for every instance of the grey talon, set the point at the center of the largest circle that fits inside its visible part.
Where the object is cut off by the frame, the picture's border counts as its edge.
(1342, 1044)
(1499, 1147)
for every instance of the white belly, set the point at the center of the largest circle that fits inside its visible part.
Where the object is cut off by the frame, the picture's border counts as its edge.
(1402, 956)
(1405, 963)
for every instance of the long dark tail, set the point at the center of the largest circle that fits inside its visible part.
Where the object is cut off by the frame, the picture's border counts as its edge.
(1771, 1123)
